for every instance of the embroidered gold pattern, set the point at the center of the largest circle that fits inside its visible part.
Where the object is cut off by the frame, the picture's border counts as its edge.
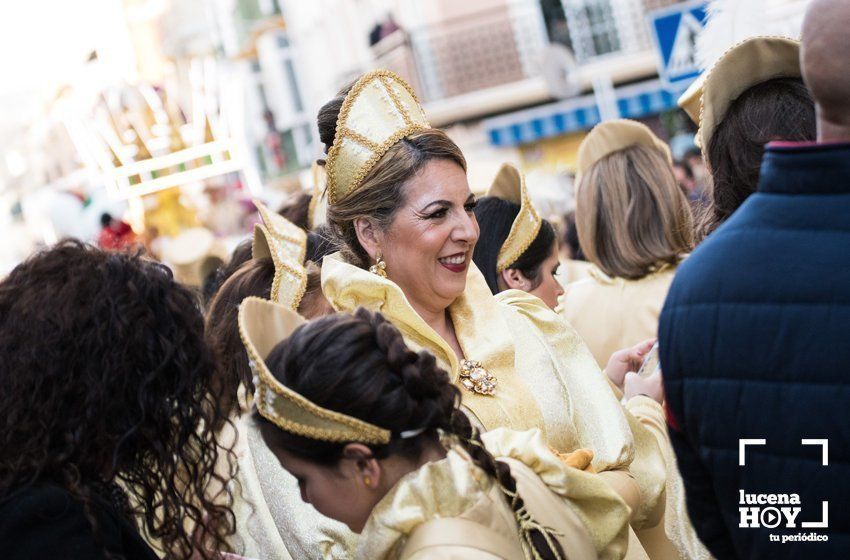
(509, 184)
(286, 244)
(265, 322)
(380, 110)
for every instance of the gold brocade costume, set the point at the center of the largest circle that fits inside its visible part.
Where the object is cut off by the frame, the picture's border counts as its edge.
(273, 522)
(614, 313)
(450, 509)
(547, 378)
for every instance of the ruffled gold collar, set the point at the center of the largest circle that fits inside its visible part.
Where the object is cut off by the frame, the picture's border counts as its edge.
(441, 489)
(479, 324)
(453, 486)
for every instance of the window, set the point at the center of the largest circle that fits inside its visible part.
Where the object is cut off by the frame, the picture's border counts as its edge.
(593, 28)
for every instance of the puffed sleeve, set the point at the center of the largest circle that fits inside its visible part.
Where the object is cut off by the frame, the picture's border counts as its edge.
(598, 418)
(622, 446)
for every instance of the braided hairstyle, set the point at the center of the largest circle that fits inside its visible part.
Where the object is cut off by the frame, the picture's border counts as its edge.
(358, 364)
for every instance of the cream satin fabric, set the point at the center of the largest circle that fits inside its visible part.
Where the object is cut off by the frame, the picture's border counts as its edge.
(546, 377)
(591, 517)
(615, 313)
(273, 523)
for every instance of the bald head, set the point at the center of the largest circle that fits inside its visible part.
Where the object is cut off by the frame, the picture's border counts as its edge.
(825, 61)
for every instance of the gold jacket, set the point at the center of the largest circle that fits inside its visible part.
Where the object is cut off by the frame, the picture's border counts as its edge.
(615, 313)
(547, 379)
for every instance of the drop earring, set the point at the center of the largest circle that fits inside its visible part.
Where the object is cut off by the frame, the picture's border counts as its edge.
(380, 267)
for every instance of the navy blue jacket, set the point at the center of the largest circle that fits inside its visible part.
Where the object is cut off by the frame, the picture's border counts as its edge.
(755, 343)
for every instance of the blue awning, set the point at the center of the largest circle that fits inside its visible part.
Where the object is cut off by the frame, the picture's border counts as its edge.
(572, 115)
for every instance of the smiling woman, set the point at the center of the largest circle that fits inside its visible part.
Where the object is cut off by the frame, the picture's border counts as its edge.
(400, 204)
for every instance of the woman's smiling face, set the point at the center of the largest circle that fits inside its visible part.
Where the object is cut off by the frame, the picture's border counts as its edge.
(428, 246)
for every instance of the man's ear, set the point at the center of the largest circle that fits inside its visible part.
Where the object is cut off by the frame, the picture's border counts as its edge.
(368, 236)
(515, 280)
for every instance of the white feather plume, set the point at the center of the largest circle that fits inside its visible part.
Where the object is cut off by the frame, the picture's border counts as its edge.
(729, 22)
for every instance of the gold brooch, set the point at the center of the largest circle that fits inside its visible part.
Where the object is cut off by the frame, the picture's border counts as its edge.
(477, 379)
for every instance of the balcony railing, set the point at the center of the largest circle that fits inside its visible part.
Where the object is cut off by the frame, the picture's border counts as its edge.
(504, 45)
(493, 47)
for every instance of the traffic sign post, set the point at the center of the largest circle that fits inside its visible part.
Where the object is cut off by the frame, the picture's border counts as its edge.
(674, 32)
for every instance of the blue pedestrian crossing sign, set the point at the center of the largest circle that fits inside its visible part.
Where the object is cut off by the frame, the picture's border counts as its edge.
(674, 31)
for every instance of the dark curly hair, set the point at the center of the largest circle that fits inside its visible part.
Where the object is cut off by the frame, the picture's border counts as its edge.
(107, 383)
(360, 365)
(496, 216)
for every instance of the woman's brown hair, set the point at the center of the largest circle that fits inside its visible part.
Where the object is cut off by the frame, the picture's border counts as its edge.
(381, 193)
(253, 278)
(631, 215)
(778, 109)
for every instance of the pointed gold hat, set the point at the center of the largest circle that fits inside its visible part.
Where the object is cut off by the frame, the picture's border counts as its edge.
(380, 110)
(747, 64)
(262, 325)
(286, 244)
(318, 211)
(509, 185)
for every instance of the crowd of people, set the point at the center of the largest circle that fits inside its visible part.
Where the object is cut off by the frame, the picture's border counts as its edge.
(392, 369)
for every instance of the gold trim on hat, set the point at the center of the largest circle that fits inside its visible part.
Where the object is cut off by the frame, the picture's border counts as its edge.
(509, 185)
(746, 64)
(264, 324)
(380, 110)
(286, 244)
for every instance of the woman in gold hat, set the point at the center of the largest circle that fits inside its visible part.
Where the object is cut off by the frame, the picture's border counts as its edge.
(375, 437)
(635, 226)
(272, 522)
(752, 95)
(402, 210)
(534, 269)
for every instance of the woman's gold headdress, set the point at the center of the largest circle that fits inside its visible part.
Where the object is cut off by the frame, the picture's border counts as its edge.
(262, 325)
(318, 210)
(286, 244)
(615, 135)
(380, 110)
(509, 185)
(749, 63)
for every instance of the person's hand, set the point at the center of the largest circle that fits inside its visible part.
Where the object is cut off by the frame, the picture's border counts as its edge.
(626, 360)
(651, 386)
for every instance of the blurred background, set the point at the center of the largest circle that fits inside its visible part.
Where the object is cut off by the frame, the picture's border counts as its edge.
(158, 121)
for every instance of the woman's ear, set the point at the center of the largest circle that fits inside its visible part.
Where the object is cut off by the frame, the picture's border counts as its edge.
(363, 465)
(515, 280)
(368, 236)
